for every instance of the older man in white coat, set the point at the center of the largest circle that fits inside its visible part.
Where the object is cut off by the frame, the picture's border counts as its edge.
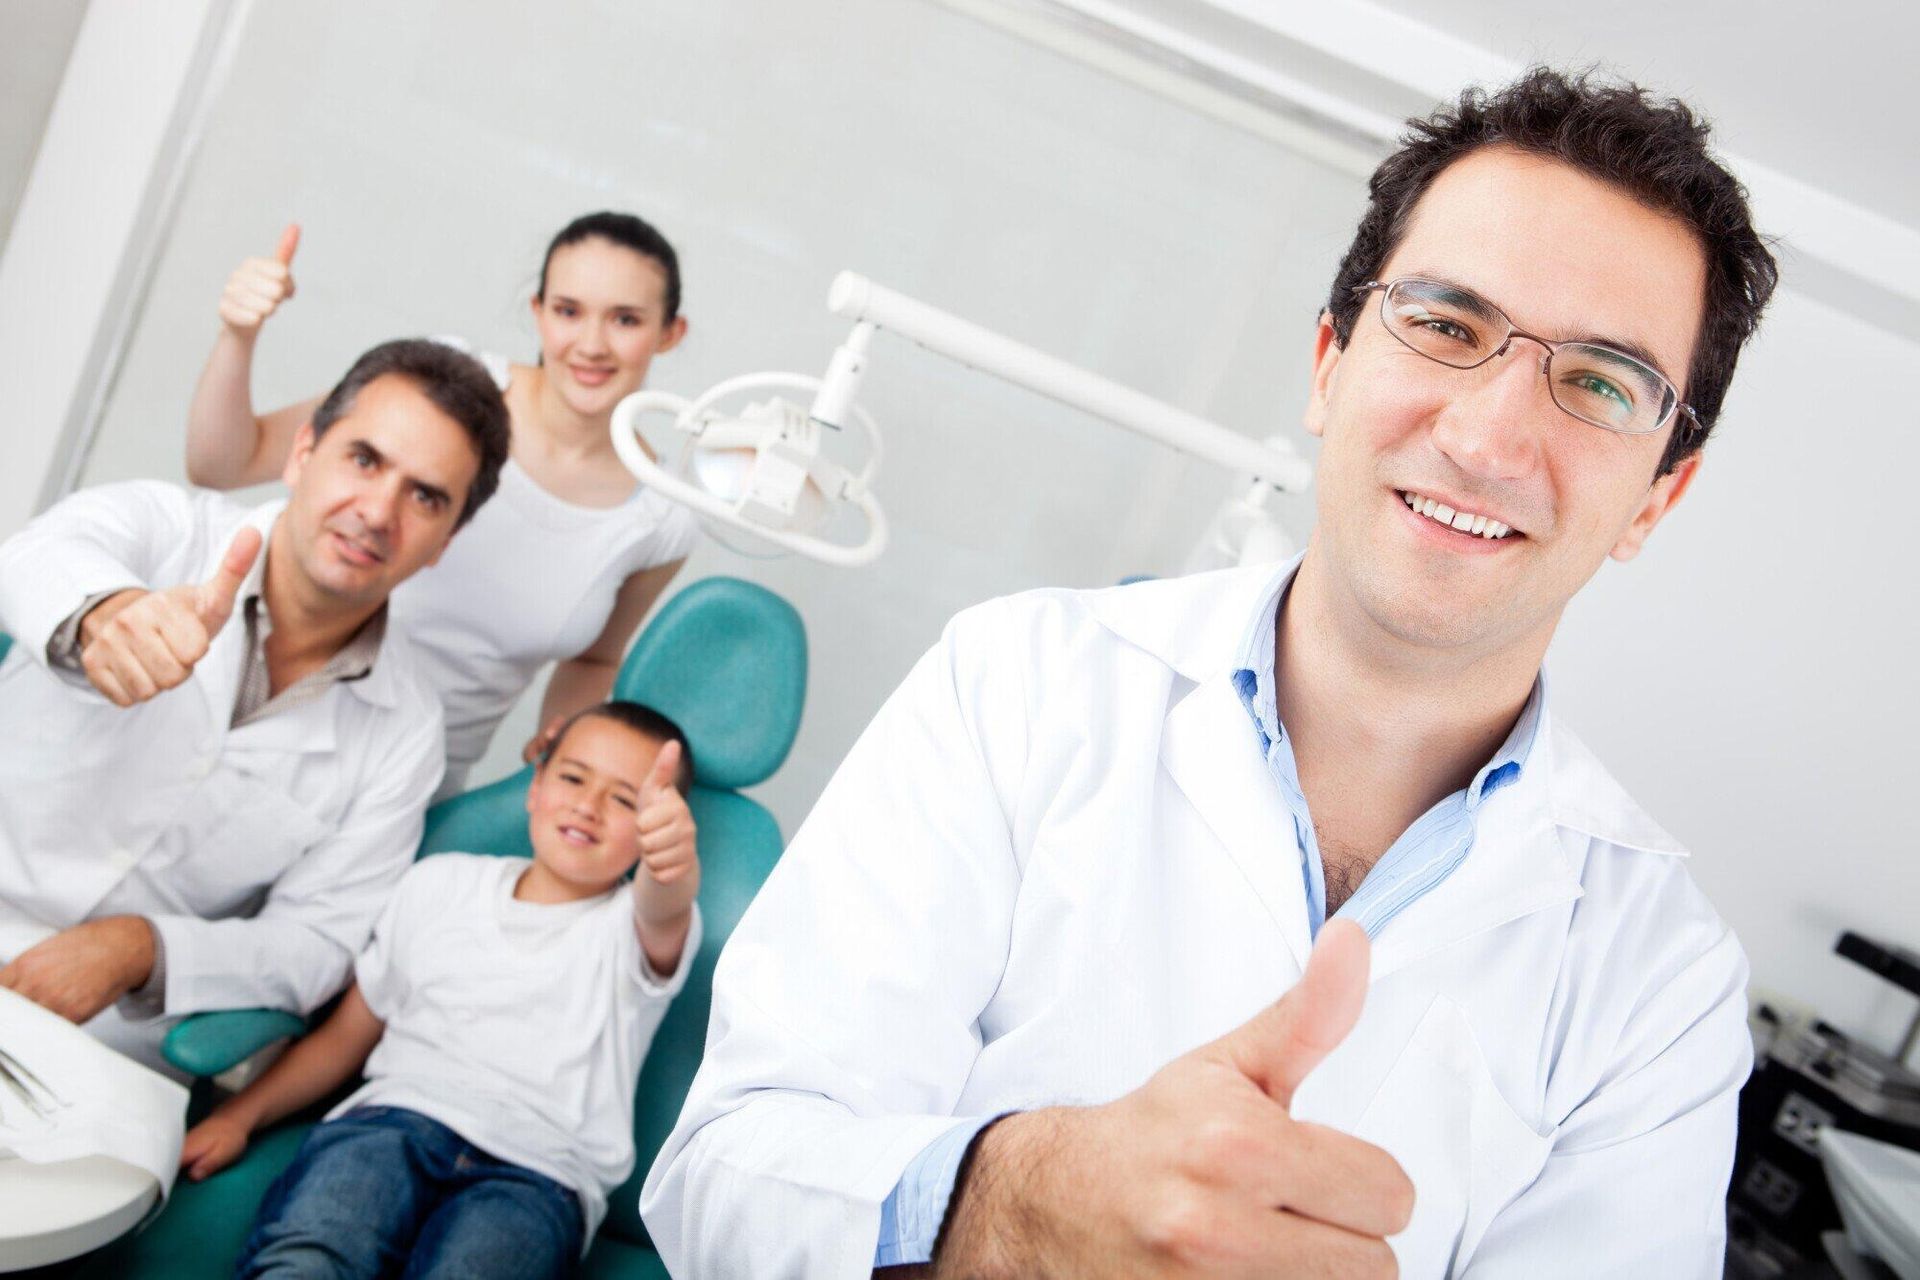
(213, 761)
(1030, 993)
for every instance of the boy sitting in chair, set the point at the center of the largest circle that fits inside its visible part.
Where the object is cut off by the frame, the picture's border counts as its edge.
(501, 1013)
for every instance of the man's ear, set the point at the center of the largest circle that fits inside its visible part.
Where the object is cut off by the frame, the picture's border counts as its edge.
(672, 336)
(1326, 360)
(303, 445)
(1661, 498)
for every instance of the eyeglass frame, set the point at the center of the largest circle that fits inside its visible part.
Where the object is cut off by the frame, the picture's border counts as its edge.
(1385, 287)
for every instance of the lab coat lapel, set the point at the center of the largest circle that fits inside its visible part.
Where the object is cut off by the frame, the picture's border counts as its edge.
(1209, 749)
(1517, 866)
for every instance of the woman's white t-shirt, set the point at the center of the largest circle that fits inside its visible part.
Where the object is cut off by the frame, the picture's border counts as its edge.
(530, 580)
(521, 1026)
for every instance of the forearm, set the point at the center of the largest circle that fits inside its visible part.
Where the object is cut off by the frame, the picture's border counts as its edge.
(266, 961)
(663, 937)
(316, 1066)
(223, 432)
(577, 684)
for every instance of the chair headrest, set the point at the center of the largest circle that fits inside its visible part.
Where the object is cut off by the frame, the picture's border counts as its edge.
(726, 660)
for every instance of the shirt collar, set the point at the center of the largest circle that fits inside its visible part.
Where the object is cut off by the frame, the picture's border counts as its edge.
(1197, 626)
(1254, 677)
(358, 662)
(350, 661)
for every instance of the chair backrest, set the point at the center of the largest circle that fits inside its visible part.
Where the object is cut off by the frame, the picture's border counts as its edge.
(727, 661)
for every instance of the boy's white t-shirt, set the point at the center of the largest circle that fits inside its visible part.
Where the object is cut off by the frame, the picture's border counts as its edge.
(521, 1026)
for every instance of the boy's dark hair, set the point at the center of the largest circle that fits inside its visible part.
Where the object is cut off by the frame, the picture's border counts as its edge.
(629, 232)
(1654, 151)
(641, 719)
(456, 383)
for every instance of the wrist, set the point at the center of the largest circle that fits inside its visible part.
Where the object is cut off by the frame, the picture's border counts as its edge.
(996, 1223)
(240, 1111)
(666, 908)
(136, 942)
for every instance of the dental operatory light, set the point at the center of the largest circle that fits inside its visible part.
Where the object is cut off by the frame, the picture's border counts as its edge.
(761, 468)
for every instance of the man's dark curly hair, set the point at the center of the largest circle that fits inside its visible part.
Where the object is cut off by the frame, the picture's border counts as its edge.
(1654, 151)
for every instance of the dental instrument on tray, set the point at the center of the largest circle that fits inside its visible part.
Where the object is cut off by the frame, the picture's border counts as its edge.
(760, 469)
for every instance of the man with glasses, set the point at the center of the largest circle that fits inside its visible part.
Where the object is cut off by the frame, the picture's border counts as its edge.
(1031, 994)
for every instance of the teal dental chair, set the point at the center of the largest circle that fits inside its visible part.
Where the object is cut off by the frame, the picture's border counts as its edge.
(727, 661)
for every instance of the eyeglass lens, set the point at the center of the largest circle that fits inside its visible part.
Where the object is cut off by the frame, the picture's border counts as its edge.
(1595, 384)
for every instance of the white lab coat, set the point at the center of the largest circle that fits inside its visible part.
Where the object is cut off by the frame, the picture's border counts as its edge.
(1056, 860)
(261, 854)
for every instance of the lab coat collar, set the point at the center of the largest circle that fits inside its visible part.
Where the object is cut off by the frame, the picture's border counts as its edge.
(1520, 862)
(1196, 624)
(377, 686)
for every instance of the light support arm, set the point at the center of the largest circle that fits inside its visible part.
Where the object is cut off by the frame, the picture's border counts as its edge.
(858, 298)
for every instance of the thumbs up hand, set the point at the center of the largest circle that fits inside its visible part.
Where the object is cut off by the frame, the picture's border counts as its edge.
(136, 644)
(258, 286)
(665, 828)
(1199, 1172)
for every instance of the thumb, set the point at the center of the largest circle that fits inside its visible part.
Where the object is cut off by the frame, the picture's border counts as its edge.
(289, 241)
(215, 605)
(666, 768)
(1278, 1046)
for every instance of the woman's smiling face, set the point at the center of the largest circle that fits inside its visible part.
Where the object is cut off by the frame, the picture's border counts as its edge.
(602, 319)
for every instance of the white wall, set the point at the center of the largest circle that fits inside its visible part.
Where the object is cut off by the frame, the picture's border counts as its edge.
(430, 151)
(84, 231)
(1750, 677)
(39, 36)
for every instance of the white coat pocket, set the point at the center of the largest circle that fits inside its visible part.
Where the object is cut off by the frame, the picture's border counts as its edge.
(249, 832)
(1439, 1113)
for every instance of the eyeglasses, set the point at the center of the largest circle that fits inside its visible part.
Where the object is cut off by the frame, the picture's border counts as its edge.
(1595, 384)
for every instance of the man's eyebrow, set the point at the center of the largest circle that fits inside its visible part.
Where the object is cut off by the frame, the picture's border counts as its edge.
(1625, 346)
(1459, 294)
(368, 447)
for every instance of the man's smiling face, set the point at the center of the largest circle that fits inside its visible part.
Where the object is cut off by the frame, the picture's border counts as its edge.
(1566, 257)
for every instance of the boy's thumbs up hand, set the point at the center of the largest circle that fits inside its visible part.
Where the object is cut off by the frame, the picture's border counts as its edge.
(665, 828)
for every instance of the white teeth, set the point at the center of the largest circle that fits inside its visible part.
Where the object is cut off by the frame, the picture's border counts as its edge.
(1464, 521)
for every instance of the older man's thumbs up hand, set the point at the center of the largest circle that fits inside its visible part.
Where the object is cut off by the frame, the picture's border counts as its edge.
(1199, 1172)
(136, 644)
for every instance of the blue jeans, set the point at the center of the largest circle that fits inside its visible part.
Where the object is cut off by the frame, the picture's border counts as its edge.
(383, 1191)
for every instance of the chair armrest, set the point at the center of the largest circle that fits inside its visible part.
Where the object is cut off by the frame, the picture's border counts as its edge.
(205, 1044)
